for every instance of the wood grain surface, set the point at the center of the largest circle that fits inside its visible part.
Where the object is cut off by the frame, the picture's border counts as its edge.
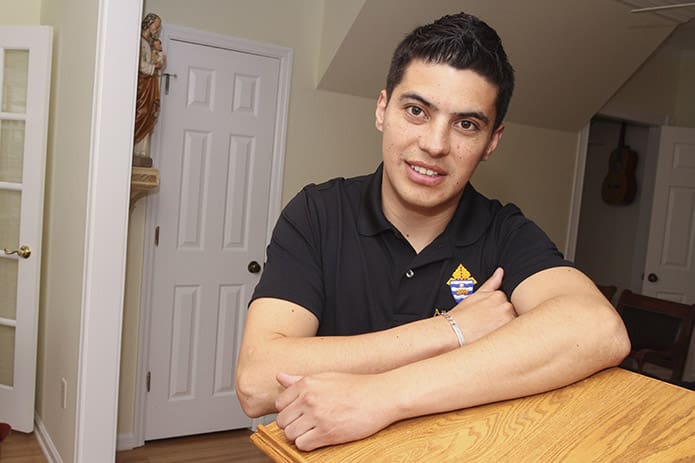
(613, 416)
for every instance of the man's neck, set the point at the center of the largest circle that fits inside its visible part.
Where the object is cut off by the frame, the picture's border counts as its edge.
(419, 226)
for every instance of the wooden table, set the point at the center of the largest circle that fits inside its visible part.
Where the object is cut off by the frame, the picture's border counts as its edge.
(615, 415)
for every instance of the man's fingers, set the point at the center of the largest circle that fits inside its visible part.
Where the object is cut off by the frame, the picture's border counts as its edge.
(288, 415)
(287, 396)
(308, 441)
(494, 282)
(287, 380)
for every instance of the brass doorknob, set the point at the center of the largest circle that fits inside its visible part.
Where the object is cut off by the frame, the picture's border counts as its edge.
(24, 251)
(652, 277)
(254, 267)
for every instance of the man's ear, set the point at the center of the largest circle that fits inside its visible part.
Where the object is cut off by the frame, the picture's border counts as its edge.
(492, 144)
(381, 103)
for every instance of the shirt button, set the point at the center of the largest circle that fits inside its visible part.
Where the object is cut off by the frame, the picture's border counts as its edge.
(409, 273)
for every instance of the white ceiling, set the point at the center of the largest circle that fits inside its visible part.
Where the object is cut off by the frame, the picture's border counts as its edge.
(683, 37)
(670, 9)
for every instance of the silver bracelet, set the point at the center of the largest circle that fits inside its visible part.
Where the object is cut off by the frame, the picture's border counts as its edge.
(454, 326)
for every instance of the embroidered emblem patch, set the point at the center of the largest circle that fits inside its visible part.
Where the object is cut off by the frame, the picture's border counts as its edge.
(461, 283)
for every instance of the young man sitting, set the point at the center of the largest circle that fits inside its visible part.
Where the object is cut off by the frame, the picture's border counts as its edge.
(342, 336)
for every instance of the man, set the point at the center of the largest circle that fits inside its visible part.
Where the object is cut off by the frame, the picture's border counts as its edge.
(340, 337)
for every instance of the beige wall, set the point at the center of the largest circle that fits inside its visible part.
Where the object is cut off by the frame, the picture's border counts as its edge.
(337, 19)
(131, 314)
(74, 23)
(685, 101)
(662, 89)
(533, 168)
(24, 12)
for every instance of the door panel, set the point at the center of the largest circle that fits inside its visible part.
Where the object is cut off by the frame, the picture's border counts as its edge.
(670, 270)
(24, 90)
(218, 128)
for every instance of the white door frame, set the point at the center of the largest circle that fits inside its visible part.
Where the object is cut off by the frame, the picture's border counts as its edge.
(285, 56)
(577, 190)
(103, 285)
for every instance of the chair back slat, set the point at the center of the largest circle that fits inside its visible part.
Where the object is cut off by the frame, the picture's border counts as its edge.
(660, 330)
(651, 329)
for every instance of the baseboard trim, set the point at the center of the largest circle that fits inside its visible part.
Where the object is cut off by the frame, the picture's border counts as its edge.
(126, 442)
(45, 441)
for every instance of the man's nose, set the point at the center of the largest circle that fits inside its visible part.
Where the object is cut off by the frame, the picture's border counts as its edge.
(435, 139)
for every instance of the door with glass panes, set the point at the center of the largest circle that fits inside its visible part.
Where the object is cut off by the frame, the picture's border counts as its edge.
(25, 63)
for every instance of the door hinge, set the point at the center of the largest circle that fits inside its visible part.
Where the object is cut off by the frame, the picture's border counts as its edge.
(156, 235)
(147, 380)
(166, 76)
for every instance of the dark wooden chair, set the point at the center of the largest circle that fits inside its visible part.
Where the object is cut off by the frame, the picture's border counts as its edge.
(659, 330)
(608, 291)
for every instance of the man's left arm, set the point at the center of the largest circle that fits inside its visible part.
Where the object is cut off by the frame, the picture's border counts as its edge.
(566, 330)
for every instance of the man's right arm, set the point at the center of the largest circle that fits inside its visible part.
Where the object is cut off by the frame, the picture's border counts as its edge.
(280, 336)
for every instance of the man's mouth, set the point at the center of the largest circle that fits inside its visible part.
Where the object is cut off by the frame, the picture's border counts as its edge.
(424, 171)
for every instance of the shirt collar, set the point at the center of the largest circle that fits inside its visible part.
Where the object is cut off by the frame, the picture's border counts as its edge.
(372, 220)
(471, 219)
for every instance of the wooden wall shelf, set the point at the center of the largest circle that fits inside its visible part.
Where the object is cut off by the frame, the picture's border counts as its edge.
(142, 181)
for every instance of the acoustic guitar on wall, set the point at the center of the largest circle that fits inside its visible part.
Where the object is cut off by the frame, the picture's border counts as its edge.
(620, 184)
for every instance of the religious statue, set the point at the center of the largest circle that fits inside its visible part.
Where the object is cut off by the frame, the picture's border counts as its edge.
(152, 61)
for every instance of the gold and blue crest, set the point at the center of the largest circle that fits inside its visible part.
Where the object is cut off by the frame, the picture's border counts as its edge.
(462, 284)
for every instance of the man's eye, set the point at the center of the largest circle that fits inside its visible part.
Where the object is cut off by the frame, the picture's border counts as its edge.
(467, 125)
(414, 111)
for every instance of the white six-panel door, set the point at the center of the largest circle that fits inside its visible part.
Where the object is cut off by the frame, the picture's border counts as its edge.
(670, 264)
(215, 153)
(25, 67)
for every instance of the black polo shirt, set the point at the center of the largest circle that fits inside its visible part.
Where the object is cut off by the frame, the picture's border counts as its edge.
(334, 252)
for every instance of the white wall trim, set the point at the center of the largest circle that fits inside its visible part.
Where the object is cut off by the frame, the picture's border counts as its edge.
(285, 58)
(45, 442)
(113, 110)
(126, 441)
(577, 191)
(650, 160)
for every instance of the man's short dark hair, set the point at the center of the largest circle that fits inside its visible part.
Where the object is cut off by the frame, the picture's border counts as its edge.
(464, 42)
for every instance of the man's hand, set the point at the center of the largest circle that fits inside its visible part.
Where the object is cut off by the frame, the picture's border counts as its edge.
(485, 310)
(331, 408)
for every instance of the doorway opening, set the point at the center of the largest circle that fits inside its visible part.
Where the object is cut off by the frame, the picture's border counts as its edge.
(646, 244)
(612, 238)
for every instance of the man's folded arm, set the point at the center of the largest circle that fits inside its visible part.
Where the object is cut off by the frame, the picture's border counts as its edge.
(566, 330)
(279, 336)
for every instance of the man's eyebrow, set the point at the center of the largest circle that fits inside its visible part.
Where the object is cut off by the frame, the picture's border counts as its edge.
(415, 96)
(464, 114)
